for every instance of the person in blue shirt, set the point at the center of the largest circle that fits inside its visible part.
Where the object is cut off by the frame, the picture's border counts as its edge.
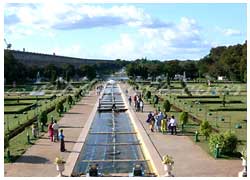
(61, 138)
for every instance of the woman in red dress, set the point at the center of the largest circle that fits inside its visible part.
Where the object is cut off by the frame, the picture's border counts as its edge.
(50, 131)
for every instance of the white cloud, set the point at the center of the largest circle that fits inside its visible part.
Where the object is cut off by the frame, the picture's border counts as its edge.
(232, 32)
(154, 38)
(77, 16)
(182, 40)
(228, 31)
(123, 48)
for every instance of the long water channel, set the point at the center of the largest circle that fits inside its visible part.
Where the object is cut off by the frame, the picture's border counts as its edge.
(111, 141)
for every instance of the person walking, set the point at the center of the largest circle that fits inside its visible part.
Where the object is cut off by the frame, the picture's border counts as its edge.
(149, 117)
(130, 100)
(157, 123)
(126, 91)
(61, 137)
(173, 124)
(135, 100)
(55, 127)
(164, 124)
(51, 131)
(34, 131)
(152, 123)
(141, 105)
(138, 105)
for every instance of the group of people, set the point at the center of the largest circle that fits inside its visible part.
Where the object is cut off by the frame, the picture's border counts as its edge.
(158, 122)
(138, 102)
(56, 135)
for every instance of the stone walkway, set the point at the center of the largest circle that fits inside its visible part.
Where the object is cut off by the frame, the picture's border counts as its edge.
(38, 160)
(190, 159)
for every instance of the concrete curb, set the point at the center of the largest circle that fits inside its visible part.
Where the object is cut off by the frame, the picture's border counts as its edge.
(148, 148)
(73, 157)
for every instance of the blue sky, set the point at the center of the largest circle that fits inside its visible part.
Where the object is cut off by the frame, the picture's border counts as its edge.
(126, 31)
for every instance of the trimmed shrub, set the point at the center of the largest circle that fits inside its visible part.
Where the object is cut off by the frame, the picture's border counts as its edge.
(144, 90)
(59, 107)
(229, 109)
(205, 96)
(187, 91)
(43, 118)
(69, 100)
(148, 94)
(184, 118)
(227, 142)
(156, 99)
(166, 106)
(230, 143)
(205, 129)
(6, 141)
(215, 139)
(183, 84)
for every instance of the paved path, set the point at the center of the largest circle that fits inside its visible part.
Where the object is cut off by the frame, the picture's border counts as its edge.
(190, 159)
(38, 160)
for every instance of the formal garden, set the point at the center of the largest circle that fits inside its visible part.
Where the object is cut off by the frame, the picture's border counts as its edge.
(213, 115)
(34, 106)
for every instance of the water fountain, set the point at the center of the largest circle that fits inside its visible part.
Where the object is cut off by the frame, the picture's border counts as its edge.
(111, 141)
(38, 78)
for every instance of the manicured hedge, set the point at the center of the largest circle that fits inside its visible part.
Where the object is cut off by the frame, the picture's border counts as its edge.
(18, 104)
(218, 102)
(229, 109)
(29, 98)
(189, 97)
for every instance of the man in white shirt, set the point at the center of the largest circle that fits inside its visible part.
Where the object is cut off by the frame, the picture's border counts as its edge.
(55, 127)
(173, 124)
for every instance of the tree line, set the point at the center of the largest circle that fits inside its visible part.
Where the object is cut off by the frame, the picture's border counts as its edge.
(228, 61)
(21, 73)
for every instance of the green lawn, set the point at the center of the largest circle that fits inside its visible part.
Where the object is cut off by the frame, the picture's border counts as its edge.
(18, 144)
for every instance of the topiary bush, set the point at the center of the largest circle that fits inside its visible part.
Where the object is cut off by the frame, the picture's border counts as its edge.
(156, 100)
(230, 143)
(215, 139)
(166, 106)
(59, 107)
(43, 118)
(227, 142)
(6, 141)
(69, 100)
(148, 94)
(183, 118)
(205, 129)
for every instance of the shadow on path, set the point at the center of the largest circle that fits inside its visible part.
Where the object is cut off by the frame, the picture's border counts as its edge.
(71, 126)
(32, 159)
(72, 113)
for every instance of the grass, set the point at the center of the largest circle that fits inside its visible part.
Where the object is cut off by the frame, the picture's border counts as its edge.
(14, 109)
(6, 102)
(12, 122)
(18, 144)
(28, 97)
